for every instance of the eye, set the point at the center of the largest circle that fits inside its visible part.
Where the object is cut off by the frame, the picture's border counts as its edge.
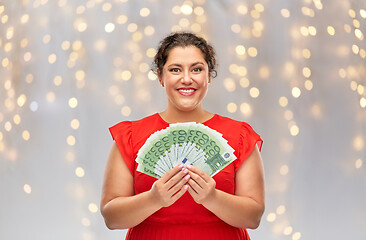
(174, 70)
(197, 69)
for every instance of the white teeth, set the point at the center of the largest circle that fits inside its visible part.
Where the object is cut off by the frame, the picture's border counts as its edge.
(186, 90)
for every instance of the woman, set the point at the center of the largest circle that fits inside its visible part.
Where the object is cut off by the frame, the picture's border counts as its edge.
(185, 203)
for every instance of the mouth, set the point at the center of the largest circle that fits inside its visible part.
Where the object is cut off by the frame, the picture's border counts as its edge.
(186, 91)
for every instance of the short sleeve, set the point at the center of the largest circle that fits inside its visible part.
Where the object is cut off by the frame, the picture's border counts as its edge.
(247, 142)
(122, 135)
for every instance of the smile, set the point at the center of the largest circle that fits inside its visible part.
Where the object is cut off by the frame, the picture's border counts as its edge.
(187, 90)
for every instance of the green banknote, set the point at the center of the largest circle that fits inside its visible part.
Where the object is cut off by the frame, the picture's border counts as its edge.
(187, 143)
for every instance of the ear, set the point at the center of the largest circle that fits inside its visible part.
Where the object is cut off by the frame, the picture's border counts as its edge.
(209, 79)
(160, 77)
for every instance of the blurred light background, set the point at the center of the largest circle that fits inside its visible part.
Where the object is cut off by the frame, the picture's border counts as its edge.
(294, 70)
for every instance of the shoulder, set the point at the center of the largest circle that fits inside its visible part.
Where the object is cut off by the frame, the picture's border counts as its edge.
(240, 128)
(240, 136)
(127, 127)
(139, 130)
(229, 128)
(226, 119)
(154, 118)
(130, 123)
(144, 127)
(232, 129)
(229, 123)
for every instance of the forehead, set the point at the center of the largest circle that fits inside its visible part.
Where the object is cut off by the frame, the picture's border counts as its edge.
(185, 54)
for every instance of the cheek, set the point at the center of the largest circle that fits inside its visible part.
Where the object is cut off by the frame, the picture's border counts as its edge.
(169, 86)
(205, 81)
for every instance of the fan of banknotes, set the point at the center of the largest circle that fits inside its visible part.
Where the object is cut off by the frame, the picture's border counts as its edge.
(187, 143)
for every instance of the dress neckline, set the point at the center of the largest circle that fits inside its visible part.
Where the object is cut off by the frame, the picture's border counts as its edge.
(205, 122)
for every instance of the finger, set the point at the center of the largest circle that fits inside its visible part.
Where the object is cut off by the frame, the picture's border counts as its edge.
(179, 185)
(193, 184)
(176, 178)
(180, 193)
(191, 191)
(198, 179)
(198, 171)
(171, 173)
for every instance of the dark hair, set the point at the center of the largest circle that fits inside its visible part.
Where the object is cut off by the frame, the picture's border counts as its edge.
(184, 39)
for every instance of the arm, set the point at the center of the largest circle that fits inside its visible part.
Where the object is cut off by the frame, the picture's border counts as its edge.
(122, 209)
(246, 207)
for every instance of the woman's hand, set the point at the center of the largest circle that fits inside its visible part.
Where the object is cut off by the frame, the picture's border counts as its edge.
(243, 209)
(201, 185)
(170, 187)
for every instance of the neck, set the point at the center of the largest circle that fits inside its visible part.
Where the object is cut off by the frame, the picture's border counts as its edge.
(198, 115)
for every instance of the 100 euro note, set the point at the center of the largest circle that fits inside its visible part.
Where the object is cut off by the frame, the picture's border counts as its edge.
(217, 155)
(149, 156)
(187, 143)
(157, 154)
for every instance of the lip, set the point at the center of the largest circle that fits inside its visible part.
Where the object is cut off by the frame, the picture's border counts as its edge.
(186, 91)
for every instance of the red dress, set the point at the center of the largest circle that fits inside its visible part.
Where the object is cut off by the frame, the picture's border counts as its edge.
(185, 219)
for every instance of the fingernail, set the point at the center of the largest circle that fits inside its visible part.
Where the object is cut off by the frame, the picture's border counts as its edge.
(185, 170)
(189, 166)
(187, 177)
(181, 165)
(185, 187)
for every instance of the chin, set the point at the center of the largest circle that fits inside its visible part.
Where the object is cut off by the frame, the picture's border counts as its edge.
(187, 108)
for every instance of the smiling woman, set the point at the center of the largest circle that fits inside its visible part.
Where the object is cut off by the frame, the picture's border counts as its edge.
(185, 202)
(185, 77)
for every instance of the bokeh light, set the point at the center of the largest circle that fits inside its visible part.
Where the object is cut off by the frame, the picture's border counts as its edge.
(79, 171)
(27, 188)
(73, 102)
(93, 207)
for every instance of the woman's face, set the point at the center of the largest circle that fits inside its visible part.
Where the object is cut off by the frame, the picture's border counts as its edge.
(185, 77)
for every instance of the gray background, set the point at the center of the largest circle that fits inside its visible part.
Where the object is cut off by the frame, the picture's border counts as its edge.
(323, 191)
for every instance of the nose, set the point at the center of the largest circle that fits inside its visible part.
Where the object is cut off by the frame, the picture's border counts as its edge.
(186, 79)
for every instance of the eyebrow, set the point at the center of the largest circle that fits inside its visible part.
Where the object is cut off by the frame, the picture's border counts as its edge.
(180, 65)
